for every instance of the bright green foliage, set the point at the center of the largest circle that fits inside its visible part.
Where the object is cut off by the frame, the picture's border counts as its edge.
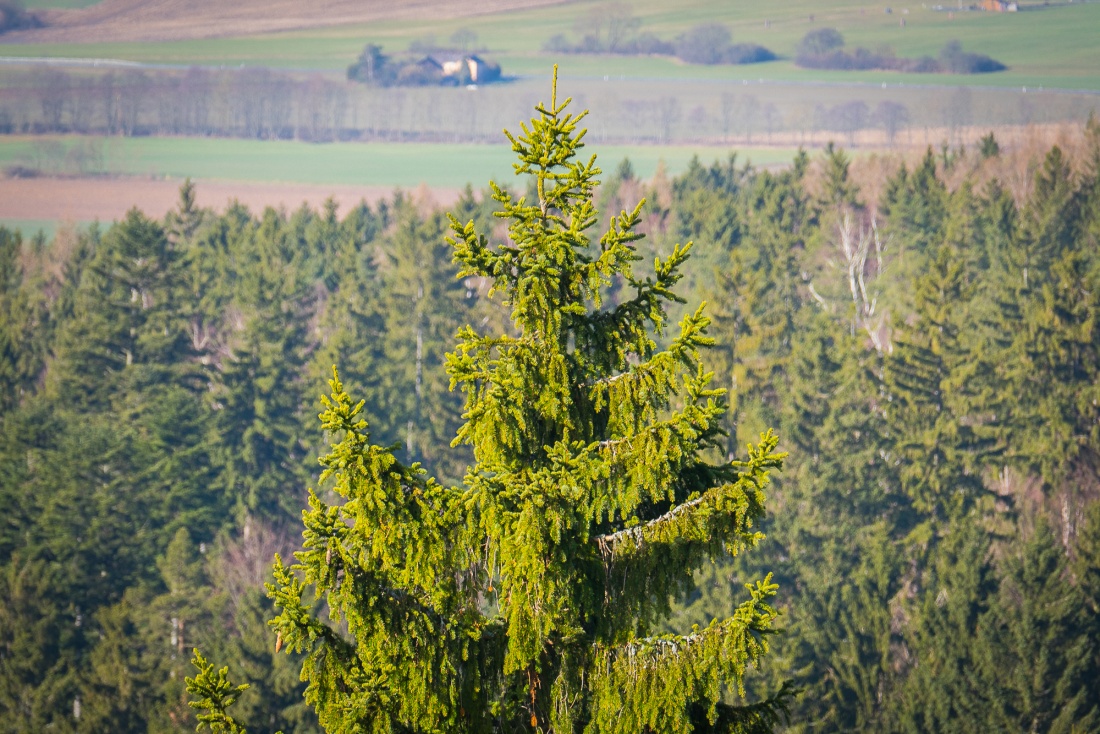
(215, 695)
(527, 599)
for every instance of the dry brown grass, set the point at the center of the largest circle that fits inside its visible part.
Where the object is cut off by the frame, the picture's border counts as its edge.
(108, 199)
(1023, 150)
(115, 21)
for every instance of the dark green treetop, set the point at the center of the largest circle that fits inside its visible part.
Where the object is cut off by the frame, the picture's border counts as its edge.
(527, 598)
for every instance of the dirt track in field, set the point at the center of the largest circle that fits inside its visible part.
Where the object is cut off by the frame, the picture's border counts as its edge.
(171, 20)
(107, 199)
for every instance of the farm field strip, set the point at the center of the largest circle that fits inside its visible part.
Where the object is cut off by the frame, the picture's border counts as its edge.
(407, 165)
(1021, 40)
(147, 172)
(48, 204)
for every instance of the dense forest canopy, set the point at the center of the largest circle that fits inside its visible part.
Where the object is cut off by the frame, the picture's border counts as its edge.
(925, 342)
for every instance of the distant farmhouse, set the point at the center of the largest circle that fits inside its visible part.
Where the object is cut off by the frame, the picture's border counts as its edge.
(442, 68)
(464, 68)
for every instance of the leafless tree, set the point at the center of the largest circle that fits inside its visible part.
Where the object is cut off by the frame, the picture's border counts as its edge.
(729, 107)
(607, 26)
(635, 117)
(196, 89)
(857, 244)
(850, 118)
(245, 561)
(892, 116)
(668, 114)
(464, 39)
(132, 90)
(170, 107)
(958, 111)
(750, 110)
(697, 122)
(53, 94)
(621, 24)
(83, 105)
(772, 118)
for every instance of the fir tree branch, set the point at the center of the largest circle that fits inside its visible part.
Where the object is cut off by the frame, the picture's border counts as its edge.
(718, 516)
(215, 695)
(656, 683)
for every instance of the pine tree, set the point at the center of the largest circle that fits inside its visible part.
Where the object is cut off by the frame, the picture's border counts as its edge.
(128, 330)
(424, 305)
(932, 379)
(22, 327)
(261, 452)
(941, 693)
(1036, 656)
(914, 207)
(755, 299)
(527, 598)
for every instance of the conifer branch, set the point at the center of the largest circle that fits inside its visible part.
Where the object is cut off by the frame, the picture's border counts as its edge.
(656, 683)
(215, 694)
(722, 517)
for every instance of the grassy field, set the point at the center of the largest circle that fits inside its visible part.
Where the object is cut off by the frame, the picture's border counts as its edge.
(57, 4)
(373, 169)
(30, 227)
(1047, 48)
(366, 164)
(1052, 46)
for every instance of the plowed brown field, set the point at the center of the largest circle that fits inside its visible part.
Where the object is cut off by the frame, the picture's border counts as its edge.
(85, 199)
(171, 20)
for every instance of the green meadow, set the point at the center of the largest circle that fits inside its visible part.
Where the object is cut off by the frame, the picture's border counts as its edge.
(29, 228)
(1024, 41)
(405, 165)
(56, 4)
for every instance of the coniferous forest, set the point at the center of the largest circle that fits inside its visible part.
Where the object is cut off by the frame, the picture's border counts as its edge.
(926, 347)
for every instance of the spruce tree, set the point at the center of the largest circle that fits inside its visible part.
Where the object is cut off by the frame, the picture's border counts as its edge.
(1036, 656)
(423, 305)
(23, 325)
(527, 598)
(941, 692)
(933, 382)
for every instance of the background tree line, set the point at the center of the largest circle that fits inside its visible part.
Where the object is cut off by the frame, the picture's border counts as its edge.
(824, 49)
(612, 28)
(269, 104)
(929, 355)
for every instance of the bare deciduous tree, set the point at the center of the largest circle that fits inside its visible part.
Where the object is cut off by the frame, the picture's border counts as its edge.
(892, 116)
(857, 244)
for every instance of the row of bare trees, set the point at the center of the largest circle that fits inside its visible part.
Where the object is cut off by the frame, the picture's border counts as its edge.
(249, 103)
(262, 103)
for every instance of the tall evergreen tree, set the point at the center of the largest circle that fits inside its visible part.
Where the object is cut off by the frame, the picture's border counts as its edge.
(22, 325)
(424, 305)
(931, 381)
(527, 599)
(1035, 661)
(942, 692)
